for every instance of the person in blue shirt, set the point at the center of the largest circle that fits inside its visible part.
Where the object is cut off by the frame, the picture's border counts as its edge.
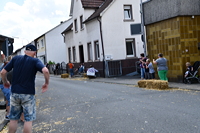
(22, 97)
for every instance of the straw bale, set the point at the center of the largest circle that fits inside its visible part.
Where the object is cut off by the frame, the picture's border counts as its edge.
(85, 75)
(156, 84)
(149, 84)
(153, 84)
(160, 84)
(65, 75)
(142, 83)
(164, 85)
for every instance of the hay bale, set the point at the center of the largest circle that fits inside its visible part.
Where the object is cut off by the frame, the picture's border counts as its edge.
(156, 84)
(153, 84)
(65, 75)
(164, 85)
(160, 84)
(85, 75)
(149, 84)
(142, 83)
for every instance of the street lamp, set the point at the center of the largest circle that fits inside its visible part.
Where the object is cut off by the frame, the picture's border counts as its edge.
(18, 44)
(21, 39)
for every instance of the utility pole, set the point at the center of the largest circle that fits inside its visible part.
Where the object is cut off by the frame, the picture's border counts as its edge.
(7, 47)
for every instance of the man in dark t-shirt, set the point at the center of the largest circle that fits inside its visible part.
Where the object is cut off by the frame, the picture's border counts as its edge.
(23, 87)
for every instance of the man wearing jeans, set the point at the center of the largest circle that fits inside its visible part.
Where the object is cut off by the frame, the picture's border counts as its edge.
(23, 87)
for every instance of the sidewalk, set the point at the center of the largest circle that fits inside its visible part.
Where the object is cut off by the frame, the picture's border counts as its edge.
(133, 80)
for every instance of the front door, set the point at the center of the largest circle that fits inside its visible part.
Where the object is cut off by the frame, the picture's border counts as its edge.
(81, 54)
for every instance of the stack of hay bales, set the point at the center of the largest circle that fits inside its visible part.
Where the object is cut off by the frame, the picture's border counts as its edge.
(65, 75)
(153, 84)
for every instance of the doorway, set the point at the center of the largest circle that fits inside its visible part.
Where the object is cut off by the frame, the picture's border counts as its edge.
(81, 54)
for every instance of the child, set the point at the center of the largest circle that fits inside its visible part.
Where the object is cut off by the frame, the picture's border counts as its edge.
(147, 75)
(151, 69)
(141, 62)
(189, 69)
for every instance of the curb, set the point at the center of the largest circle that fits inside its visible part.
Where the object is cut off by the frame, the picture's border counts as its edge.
(193, 87)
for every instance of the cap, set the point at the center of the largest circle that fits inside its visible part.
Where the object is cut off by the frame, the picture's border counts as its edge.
(31, 47)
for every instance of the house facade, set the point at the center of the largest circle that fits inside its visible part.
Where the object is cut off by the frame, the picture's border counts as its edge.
(41, 48)
(55, 46)
(101, 35)
(173, 28)
(19, 51)
(51, 46)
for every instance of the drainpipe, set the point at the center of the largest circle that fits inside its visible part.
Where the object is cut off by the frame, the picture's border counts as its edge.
(45, 56)
(142, 27)
(100, 25)
(63, 37)
(7, 54)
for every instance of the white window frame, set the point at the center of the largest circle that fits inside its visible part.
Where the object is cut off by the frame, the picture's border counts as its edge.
(42, 43)
(90, 56)
(128, 14)
(81, 22)
(75, 25)
(69, 54)
(132, 47)
(38, 45)
(96, 50)
(74, 53)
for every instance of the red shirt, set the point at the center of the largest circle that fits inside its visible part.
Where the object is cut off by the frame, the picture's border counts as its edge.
(71, 65)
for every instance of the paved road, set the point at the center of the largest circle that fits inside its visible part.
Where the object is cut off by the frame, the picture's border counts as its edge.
(76, 106)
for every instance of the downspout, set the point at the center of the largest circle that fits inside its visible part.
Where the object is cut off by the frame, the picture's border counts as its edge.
(63, 37)
(142, 27)
(100, 26)
(45, 61)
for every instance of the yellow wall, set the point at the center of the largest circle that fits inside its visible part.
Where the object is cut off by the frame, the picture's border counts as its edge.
(177, 38)
(41, 49)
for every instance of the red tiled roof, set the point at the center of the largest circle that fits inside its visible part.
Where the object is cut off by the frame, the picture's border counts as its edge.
(99, 10)
(91, 3)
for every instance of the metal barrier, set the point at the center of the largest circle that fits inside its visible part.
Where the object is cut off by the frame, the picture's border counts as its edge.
(113, 68)
(63, 68)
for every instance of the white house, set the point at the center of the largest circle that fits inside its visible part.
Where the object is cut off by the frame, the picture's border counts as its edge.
(19, 51)
(55, 46)
(106, 34)
(51, 46)
(41, 48)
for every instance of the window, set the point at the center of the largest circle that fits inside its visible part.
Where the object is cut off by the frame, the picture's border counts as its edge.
(81, 22)
(130, 48)
(96, 50)
(75, 25)
(89, 51)
(38, 45)
(128, 12)
(74, 54)
(42, 43)
(69, 54)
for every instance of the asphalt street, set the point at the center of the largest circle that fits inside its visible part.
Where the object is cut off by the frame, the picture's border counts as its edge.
(89, 106)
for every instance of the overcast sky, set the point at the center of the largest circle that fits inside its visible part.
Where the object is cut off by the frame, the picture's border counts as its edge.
(25, 20)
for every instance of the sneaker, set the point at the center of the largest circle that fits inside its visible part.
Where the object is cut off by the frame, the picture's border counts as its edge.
(6, 118)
